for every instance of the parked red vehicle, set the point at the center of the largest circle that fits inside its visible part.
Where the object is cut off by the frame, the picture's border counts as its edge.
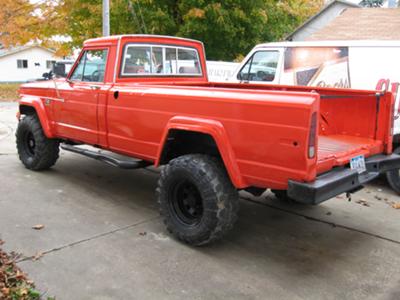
(148, 99)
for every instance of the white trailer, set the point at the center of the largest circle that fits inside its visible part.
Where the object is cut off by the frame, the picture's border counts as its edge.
(370, 65)
(220, 71)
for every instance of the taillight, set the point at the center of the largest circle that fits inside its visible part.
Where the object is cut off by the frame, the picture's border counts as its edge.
(313, 136)
(394, 118)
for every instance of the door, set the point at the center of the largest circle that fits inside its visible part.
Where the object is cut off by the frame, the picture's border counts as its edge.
(262, 67)
(76, 115)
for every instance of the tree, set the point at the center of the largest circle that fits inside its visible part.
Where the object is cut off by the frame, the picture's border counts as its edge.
(82, 19)
(22, 22)
(18, 23)
(286, 16)
(229, 29)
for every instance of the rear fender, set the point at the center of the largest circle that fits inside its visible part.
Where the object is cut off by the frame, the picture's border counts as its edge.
(216, 130)
(37, 104)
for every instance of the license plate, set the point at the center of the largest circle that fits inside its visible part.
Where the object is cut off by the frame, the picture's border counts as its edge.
(358, 163)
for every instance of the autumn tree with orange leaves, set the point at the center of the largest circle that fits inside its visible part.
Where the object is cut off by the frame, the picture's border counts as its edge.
(23, 22)
(17, 22)
(229, 29)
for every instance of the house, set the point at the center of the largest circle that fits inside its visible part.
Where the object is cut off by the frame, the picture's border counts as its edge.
(362, 24)
(329, 13)
(25, 63)
(320, 20)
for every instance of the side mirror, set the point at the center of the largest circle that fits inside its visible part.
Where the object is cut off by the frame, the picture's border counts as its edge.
(59, 70)
(47, 76)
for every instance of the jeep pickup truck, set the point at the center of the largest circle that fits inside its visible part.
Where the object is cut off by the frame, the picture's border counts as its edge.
(141, 100)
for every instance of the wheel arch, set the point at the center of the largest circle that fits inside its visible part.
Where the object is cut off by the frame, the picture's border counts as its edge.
(34, 106)
(205, 136)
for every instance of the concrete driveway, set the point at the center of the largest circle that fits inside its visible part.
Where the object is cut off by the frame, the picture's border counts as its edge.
(103, 238)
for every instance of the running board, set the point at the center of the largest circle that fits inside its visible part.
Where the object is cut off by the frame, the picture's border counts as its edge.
(108, 159)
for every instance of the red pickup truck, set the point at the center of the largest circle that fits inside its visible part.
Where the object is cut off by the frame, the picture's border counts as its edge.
(147, 101)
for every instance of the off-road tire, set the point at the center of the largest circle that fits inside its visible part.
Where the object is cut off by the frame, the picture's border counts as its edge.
(393, 177)
(35, 150)
(217, 195)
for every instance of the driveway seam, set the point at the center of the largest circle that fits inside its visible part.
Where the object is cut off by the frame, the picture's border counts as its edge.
(94, 237)
(324, 221)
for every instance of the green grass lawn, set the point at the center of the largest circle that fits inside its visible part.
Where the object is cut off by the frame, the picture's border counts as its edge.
(9, 91)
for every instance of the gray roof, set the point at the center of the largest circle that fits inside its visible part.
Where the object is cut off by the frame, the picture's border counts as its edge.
(330, 4)
(12, 50)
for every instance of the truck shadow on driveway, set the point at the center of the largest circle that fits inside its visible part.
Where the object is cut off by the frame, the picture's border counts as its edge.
(261, 230)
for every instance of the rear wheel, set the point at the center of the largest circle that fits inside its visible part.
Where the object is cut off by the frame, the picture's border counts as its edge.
(197, 200)
(35, 150)
(393, 176)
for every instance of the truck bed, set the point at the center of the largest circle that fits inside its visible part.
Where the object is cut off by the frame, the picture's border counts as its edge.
(334, 150)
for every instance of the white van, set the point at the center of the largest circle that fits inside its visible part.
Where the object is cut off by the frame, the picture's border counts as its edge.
(371, 65)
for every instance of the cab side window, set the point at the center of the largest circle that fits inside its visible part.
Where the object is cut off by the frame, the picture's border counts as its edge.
(91, 67)
(262, 66)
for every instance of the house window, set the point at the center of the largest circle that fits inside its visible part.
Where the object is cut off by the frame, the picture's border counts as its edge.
(22, 63)
(50, 64)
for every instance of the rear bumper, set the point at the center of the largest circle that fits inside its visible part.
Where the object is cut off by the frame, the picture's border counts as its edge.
(341, 180)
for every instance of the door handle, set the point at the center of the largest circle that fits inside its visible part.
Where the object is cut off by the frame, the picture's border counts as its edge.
(95, 87)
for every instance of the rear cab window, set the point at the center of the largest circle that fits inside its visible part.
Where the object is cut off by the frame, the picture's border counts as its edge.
(160, 60)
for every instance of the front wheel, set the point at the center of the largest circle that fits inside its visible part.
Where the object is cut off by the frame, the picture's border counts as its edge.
(197, 200)
(35, 150)
(393, 176)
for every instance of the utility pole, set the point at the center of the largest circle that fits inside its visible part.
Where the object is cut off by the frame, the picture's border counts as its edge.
(106, 17)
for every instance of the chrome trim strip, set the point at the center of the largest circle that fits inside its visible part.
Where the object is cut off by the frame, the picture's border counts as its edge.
(116, 59)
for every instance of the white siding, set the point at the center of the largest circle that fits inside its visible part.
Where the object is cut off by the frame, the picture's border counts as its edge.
(8, 65)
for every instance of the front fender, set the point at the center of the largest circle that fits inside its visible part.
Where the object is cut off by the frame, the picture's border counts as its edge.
(217, 131)
(37, 104)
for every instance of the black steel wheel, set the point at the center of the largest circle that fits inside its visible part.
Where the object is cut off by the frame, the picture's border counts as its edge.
(186, 202)
(35, 150)
(197, 200)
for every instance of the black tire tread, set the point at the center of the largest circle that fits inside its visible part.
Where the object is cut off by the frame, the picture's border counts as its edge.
(46, 150)
(226, 196)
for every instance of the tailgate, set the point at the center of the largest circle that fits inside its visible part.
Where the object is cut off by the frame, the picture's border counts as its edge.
(353, 123)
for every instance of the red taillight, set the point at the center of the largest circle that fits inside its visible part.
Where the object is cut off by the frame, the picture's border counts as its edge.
(393, 120)
(313, 136)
